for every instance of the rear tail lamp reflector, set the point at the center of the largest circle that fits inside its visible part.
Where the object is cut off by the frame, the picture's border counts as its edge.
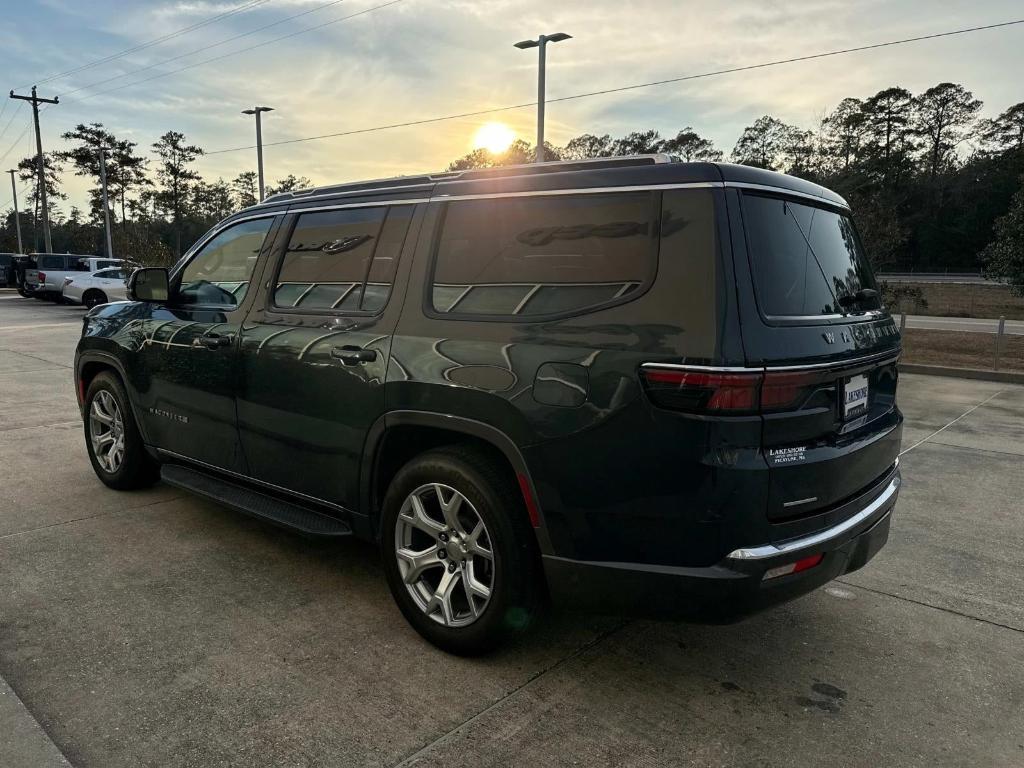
(803, 564)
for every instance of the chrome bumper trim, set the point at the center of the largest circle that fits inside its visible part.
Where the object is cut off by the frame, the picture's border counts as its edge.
(766, 551)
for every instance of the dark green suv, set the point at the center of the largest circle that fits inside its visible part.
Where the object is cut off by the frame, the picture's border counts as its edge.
(630, 384)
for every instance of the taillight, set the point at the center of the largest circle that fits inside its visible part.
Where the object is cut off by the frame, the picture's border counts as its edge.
(42, 276)
(703, 391)
(729, 392)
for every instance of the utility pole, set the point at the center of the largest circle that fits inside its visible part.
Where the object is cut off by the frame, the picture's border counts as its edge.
(259, 141)
(17, 216)
(541, 43)
(106, 208)
(36, 101)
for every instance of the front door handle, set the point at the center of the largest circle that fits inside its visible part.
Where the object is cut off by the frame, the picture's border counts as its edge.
(354, 355)
(214, 341)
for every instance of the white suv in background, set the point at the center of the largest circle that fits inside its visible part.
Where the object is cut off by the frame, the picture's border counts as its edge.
(47, 280)
(94, 288)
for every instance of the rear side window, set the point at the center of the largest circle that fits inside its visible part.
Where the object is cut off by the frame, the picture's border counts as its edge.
(544, 255)
(342, 260)
(807, 261)
(52, 262)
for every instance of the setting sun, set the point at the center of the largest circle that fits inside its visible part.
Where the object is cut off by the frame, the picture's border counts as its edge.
(494, 137)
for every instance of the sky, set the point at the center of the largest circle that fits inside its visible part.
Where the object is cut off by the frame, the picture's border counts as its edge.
(379, 62)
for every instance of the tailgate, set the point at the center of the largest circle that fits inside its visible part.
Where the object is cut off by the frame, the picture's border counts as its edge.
(812, 316)
(842, 438)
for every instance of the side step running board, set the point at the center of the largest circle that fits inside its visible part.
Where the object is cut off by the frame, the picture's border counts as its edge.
(251, 502)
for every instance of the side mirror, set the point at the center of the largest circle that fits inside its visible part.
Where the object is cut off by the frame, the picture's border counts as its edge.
(148, 284)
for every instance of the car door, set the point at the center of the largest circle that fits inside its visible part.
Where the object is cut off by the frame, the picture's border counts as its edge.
(315, 348)
(189, 348)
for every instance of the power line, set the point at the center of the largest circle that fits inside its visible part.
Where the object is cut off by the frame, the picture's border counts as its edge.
(10, 149)
(155, 41)
(635, 86)
(242, 50)
(198, 50)
(14, 114)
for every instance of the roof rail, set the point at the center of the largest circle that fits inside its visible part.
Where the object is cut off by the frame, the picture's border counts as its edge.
(552, 166)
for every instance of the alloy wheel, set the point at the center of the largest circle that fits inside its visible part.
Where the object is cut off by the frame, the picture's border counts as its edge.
(106, 431)
(445, 555)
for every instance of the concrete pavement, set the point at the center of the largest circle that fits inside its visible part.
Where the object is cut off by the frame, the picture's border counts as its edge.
(157, 629)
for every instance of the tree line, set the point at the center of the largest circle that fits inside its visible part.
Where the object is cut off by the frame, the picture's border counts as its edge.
(932, 185)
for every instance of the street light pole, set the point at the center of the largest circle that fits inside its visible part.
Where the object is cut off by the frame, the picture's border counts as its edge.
(541, 43)
(106, 208)
(259, 141)
(17, 216)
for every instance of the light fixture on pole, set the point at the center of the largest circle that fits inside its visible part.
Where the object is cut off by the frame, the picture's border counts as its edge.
(541, 44)
(259, 141)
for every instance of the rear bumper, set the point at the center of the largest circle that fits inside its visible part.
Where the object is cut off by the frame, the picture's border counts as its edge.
(734, 587)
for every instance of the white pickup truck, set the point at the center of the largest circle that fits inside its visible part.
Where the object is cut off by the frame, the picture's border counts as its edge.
(46, 279)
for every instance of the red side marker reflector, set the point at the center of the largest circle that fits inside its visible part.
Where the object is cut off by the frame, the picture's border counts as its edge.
(800, 565)
(531, 505)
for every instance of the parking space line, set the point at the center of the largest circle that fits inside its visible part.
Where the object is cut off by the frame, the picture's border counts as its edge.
(71, 322)
(600, 638)
(968, 412)
(929, 605)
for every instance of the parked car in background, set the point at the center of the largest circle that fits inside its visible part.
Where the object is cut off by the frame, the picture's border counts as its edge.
(7, 277)
(95, 288)
(46, 281)
(632, 384)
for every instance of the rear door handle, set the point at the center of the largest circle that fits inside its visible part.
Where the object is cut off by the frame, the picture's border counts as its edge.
(214, 341)
(354, 355)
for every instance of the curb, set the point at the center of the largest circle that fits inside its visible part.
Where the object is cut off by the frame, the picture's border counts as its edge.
(23, 742)
(1006, 377)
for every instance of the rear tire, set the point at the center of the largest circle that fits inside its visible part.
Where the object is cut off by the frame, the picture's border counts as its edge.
(465, 621)
(112, 438)
(94, 298)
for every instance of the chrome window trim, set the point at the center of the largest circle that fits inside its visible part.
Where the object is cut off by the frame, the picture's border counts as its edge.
(443, 198)
(885, 498)
(340, 206)
(851, 363)
(786, 191)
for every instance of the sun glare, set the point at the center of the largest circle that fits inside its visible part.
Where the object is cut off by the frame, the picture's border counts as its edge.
(494, 137)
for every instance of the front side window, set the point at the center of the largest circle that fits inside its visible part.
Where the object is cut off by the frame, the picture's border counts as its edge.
(807, 261)
(535, 256)
(342, 260)
(220, 273)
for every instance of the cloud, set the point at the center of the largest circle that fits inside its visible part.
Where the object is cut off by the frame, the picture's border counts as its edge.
(423, 58)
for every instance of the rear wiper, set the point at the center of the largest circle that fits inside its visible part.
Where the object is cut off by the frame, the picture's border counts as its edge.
(858, 297)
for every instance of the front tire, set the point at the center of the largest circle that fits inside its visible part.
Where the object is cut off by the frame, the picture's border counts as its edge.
(112, 438)
(459, 554)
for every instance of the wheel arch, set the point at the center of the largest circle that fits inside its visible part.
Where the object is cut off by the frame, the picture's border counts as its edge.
(398, 436)
(92, 363)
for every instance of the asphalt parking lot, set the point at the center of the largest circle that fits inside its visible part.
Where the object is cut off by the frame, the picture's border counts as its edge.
(157, 629)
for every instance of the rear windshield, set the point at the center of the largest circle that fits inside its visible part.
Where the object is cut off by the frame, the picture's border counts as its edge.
(6, 260)
(807, 261)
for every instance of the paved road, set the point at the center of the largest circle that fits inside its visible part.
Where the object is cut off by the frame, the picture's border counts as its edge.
(970, 324)
(157, 629)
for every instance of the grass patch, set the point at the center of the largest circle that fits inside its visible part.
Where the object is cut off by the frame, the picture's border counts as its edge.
(962, 349)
